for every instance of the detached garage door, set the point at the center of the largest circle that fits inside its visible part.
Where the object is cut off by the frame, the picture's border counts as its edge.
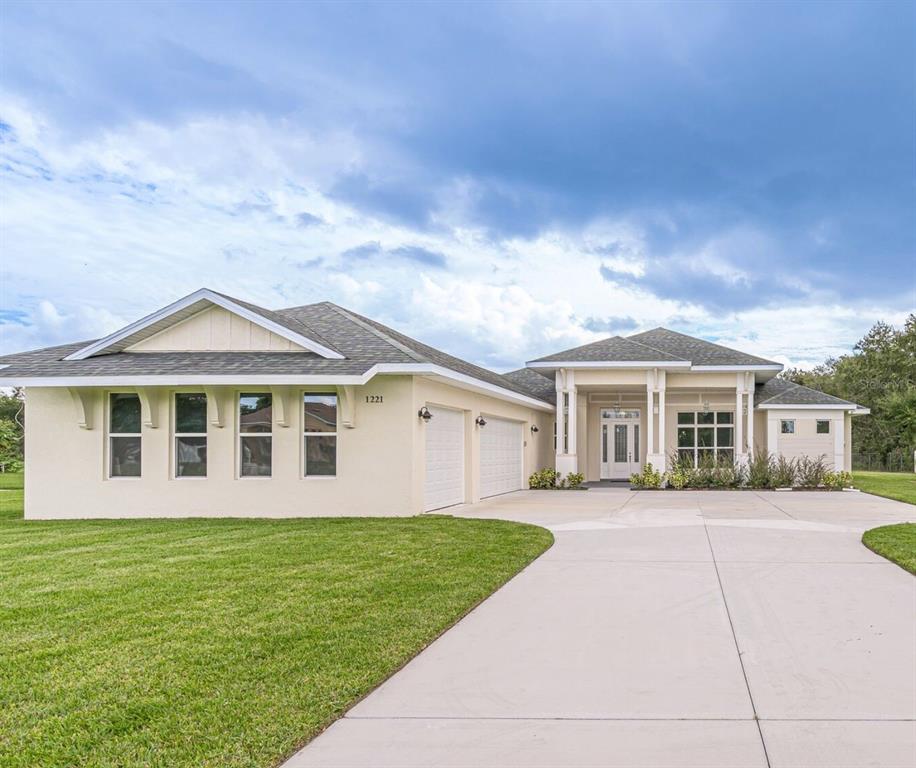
(500, 457)
(444, 458)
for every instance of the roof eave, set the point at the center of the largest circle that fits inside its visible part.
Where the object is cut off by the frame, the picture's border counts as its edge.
(553, 365)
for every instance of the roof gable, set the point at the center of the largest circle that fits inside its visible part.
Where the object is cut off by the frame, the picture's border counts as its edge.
(614, 349)
(185, 308)
(784, 392)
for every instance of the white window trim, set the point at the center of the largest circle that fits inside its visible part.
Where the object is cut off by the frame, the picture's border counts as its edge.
(109, 435)
(787, 421)
(818, 422)
(303, 464)
(241, 435)
(715, 447)
(176, 434)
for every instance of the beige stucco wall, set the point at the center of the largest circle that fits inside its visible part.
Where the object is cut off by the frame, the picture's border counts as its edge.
(380, 462)
(67, 466)
(806, 442)
(214, 329)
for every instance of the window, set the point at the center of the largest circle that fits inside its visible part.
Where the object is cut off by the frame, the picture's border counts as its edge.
(320, 434)
(823, 427)
(255, 438)
(124, 435)
(705, 435)
(190, 434)
(787, 426)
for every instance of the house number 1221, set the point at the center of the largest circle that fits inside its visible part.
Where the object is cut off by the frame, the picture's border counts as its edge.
(374, 398)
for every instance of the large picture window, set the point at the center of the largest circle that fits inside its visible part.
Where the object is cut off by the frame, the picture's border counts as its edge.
(706, 434)
(124, 441)
(320, 434)
(190, 434)
(255, 434)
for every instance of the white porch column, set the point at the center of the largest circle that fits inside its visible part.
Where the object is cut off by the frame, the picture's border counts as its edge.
(566, 448)
(740, 451)
(655, 449)
(561, 389)
(751, 382)
(650, 418)
(662, 443)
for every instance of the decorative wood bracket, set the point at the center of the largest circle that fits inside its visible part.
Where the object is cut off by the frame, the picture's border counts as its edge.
(280, 409)
(347, 407)
(149, 407)
(215, 409)
(82, 405)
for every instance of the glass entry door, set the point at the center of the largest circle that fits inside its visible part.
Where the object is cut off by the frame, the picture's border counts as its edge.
(619, 444)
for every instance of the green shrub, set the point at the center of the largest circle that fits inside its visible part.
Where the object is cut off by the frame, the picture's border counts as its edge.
(678, 477)
(575, 479)
(784, 473)
(760, 470)
(809, 473)
(543, 478)
(704, 476)
(729, 475)
(648, 478)
(837, 481)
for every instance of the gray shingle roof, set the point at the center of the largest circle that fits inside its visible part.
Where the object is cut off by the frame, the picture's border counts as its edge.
(538, 385)
(615, 348)
(697, 351)
(656, 345)
(784, 392)
(363, 342)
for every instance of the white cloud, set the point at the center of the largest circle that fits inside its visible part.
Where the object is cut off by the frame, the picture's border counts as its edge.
(100, 231)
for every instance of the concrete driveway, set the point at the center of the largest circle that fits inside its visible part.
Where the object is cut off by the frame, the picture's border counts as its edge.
(665, 629)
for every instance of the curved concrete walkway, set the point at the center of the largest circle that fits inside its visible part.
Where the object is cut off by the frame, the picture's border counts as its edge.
(665, 629)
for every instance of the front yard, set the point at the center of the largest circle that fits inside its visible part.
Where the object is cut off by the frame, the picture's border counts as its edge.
(895, 542)
(220, 642)
(894, 485)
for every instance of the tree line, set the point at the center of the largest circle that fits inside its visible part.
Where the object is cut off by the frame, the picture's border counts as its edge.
(880, 374)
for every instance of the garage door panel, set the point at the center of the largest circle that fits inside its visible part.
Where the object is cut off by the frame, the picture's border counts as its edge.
(501, 457)
(444, 485)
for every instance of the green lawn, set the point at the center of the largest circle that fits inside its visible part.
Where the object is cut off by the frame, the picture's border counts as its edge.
(221, 642)
(895, 542)
(894, 485)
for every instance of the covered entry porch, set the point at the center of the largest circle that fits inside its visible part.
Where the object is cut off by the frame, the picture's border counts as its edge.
(611, 423)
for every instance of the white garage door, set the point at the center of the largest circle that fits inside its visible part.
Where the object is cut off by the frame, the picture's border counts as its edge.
(444, 458)
(500, 457)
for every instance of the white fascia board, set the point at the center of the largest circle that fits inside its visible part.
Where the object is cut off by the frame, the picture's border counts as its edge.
(806, 407)
(612, 364)
(204, 294)
(462, 381)
(182, 380)
(860, 411)
(413, 369)
(737, 368)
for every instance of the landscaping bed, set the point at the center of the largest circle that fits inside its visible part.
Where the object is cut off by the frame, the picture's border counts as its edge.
(220, 642)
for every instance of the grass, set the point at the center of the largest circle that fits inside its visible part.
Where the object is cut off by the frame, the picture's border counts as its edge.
(895, 542)
(220, 642)
(894, 485)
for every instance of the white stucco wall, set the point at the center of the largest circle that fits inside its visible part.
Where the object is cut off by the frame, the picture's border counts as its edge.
(805, 441)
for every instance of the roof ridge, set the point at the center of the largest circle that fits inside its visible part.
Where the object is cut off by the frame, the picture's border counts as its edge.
(364, 323)
(654, 349)
(795, 385)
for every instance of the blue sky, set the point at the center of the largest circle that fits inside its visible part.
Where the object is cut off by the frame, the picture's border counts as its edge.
(502, 181)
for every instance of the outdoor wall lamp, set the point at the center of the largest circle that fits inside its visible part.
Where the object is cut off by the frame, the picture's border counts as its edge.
(480, 421)
(424, 413)
(534, 429)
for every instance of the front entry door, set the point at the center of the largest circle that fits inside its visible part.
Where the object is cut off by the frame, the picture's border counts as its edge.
(619, 448)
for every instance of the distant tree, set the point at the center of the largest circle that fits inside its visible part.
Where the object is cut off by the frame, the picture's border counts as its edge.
(881, 375)
(12, 425)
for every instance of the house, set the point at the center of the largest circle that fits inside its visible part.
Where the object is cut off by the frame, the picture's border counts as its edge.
(216, 407)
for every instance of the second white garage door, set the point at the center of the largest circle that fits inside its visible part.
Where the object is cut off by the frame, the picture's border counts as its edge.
(500, 457)
(444, 459)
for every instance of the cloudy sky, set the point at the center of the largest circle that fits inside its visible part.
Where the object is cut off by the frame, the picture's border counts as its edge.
(501, 181)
